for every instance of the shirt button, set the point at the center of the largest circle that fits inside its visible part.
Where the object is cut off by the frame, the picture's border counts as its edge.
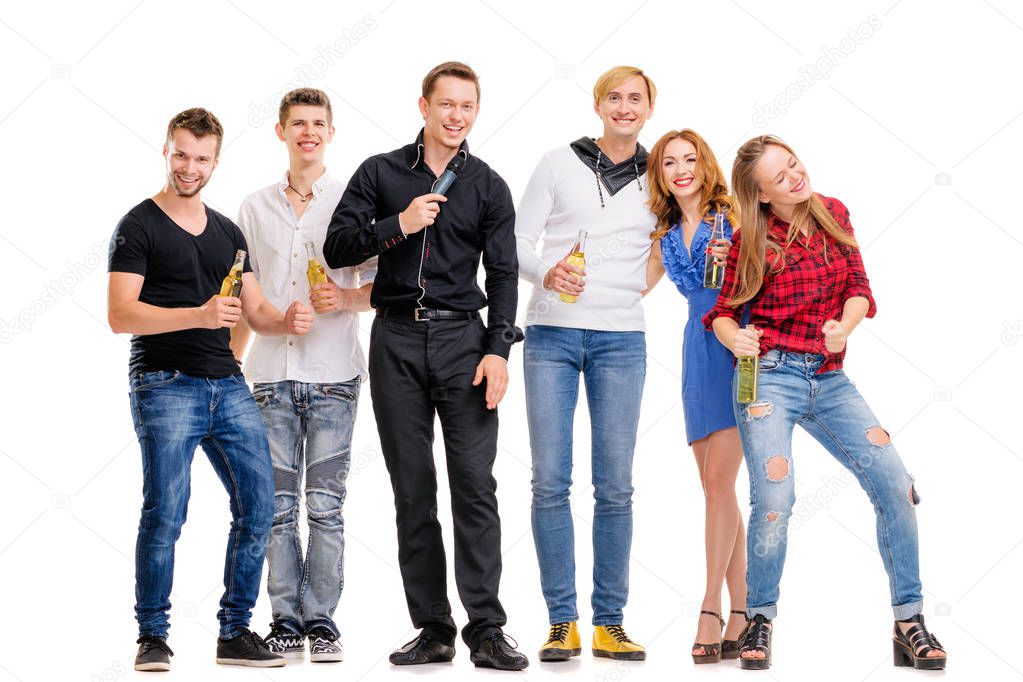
(293, 284)
(291, 343)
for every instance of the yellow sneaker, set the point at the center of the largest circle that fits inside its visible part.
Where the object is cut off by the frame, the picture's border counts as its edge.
(610, 641)
(562, 643)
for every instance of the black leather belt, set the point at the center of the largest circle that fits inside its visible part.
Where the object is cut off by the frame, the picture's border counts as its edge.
(424, 314)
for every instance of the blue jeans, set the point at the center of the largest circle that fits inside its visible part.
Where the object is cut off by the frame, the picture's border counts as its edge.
(174, 413)
(831, 410)
(613, 365)
(310, 431)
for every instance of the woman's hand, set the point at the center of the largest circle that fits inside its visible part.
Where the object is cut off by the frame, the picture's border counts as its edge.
(718, 249)
(835, 336)
(746, 342)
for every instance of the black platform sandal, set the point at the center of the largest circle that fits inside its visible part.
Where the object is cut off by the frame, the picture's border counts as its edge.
(756, 638)
(730, 647)
(911, 649)
(711, 652)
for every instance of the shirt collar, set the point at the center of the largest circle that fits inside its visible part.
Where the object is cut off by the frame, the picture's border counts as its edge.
(319, 186)
(415, 151)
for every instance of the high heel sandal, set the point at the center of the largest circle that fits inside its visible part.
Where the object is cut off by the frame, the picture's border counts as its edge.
(711, 652)
(730, 647)
(910, 649)
(756, 638)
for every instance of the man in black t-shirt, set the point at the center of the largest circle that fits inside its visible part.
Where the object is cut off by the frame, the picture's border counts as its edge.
(168, 258)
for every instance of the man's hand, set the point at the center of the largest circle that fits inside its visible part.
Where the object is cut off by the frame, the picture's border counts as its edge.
(835, 336)
(421, 213)
(747, 342)
(326, 298)
(298, 318)
(220, 311)
(564, 277)
(494, 369)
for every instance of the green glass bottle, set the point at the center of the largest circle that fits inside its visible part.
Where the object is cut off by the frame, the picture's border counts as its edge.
(749, 370)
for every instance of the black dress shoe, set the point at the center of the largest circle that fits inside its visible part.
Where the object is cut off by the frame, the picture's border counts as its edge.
(423, 649)
(496, 652)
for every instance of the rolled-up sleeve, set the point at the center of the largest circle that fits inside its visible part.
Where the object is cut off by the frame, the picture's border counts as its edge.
(857, 283)
(721, 307)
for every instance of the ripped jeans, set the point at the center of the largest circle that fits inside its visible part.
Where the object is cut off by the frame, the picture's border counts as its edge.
(309, 427)
(831, 410)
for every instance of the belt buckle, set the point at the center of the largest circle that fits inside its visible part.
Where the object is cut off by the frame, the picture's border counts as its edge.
(419, 314)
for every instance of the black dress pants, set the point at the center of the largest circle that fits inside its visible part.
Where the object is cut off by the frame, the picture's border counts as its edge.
(418, 369)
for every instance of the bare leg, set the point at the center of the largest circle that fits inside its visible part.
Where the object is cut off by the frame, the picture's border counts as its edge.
(718, 457)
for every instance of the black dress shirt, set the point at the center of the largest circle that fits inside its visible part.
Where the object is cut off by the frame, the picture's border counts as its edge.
(478, 219)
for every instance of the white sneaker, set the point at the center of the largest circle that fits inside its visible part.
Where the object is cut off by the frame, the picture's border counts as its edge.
(283, 642)
(324, 647)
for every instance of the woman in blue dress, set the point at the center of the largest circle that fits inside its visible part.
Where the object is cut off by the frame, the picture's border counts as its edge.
(687, 189)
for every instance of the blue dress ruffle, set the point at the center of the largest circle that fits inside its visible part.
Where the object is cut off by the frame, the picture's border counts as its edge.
(707, 366)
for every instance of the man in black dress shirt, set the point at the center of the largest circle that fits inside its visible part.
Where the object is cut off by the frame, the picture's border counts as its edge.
(431, 353)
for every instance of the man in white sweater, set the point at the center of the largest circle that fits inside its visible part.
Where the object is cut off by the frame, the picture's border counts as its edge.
(596, 186)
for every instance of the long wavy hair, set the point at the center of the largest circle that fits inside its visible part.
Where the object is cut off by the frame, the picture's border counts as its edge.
(713, 188)
(757, 248)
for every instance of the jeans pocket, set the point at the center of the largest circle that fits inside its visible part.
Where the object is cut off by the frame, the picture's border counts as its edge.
(149, 380)
(344, 390)
(264, 394)
(770, 360)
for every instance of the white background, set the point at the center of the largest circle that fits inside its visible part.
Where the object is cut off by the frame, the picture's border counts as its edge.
(916, 129)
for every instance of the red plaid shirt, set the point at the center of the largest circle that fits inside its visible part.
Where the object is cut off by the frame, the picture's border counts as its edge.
(793, 305)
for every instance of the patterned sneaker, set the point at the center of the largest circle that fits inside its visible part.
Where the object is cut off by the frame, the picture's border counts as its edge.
(153, 654)
(284, 641)
(324, 647)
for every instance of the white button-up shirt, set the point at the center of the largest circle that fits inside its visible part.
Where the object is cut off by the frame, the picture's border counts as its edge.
(331, 351)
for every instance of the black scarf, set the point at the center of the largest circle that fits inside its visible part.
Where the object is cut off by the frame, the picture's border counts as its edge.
(614, 175)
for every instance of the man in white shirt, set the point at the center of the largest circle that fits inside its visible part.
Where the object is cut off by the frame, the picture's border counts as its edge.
(588, 320)
(307, 388)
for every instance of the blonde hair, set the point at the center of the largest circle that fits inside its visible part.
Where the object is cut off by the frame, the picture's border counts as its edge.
(617, 75)
(754, 215)
(713, 189)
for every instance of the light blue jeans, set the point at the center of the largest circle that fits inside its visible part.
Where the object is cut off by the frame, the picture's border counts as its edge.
(309, 427)
(831, 410)
(613, 365)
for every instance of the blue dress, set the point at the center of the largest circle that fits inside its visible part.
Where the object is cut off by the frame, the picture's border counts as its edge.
(707, 366)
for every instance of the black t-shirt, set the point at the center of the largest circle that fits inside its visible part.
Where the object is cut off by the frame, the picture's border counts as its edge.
(181, 270)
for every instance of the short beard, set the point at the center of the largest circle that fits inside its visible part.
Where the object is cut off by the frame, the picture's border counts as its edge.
(182, 193)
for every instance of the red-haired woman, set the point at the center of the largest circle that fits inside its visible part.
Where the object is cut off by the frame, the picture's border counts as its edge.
(797, 268)
(687, 190)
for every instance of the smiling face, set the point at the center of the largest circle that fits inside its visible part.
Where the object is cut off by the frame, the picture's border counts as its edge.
(781, 178)
(306, 132)
(625, 108)
(190, 161)
(679, 169)
(450, 112)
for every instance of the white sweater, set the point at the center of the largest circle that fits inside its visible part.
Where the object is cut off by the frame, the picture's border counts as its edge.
(561, 199)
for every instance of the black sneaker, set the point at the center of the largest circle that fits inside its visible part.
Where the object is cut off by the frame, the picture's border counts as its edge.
(323, 646)
(497, 652)
(284, 641)
(248, 648)
(422, 649)
(153, 655)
